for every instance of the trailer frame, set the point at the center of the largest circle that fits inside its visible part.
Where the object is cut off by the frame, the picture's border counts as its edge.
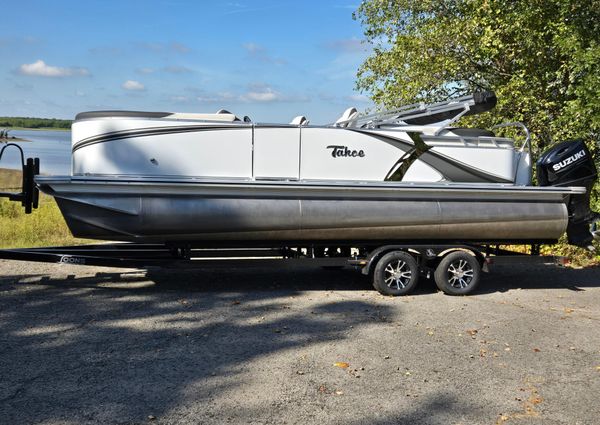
(427, 258)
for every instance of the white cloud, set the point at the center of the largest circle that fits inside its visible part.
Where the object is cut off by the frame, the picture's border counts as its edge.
(163, 47)
(358, 98)
(234, 8)
(133, 85)
(347, 6)
(259, 53)
(267, 95)
(106, 50)
(260, 92)
(347, 45)
(179, 99)
(253, 48)
(179, 47)
(216, 97)
(255, 93)
(144, 70)
(174, 69)
(40, 69)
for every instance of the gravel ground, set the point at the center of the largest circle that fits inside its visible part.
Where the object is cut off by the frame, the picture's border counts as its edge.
(295, 345)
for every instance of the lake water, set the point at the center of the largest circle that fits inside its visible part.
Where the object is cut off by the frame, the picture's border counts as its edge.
(53, 148)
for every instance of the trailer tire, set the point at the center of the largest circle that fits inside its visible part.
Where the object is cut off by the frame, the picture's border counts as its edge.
(396, 273)
(458, 273)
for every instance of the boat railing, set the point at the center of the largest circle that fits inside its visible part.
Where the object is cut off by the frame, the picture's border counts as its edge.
(478, 141)
(520, 125)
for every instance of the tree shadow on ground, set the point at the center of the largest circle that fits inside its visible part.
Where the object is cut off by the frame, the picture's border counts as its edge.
(117, 347)
(299, 278)
(505, 278)
(306, 278)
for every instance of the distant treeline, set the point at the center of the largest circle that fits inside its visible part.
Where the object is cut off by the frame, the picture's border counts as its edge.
(27, 122)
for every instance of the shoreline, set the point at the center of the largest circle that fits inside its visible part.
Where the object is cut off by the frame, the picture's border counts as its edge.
(13, 139)
(37, 129)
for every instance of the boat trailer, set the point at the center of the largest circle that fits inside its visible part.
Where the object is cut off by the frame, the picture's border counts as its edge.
(394, 269)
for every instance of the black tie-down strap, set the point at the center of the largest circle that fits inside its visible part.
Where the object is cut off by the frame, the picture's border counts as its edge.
(30, 194)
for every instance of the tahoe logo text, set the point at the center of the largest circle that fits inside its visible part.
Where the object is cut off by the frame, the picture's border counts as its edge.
(338, 151)
(562, 164)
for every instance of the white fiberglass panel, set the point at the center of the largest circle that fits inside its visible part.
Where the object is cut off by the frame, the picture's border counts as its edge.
(204, 153)
(335, 153)
(343, 154)
(277, 152)
(496, 161)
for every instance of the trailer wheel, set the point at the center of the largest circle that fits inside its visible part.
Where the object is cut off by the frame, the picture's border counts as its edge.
(458, 273)
(396, 273)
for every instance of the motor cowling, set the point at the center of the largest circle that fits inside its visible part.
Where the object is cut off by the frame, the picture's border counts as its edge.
(571, 164)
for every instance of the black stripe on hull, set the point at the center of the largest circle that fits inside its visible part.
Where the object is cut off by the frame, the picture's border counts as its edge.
(152, 131)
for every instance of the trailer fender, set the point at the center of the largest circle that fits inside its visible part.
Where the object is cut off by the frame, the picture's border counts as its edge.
(426, 253)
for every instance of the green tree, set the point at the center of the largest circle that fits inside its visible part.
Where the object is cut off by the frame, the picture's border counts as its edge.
(27, 122)
(541, 57)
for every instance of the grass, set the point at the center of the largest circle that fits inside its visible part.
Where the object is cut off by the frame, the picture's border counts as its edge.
(44, 227)
(579, 257)
(10, 179)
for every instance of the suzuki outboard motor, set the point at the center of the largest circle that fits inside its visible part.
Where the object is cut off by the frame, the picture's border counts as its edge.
(571, 164)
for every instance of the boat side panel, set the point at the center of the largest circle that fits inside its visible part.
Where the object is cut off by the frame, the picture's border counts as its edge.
(276, 153)
(222, 153)
(491, 160)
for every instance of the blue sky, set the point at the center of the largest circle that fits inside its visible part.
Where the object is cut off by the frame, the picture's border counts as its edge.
(270, 60)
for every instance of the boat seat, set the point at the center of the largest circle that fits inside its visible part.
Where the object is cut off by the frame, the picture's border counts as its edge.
(349, 114)
(227, 117)
(471, 132)
(246, 118)
(299, 120)
(120, 114)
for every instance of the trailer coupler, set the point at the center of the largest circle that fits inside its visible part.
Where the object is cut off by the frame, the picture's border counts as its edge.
(29, 195)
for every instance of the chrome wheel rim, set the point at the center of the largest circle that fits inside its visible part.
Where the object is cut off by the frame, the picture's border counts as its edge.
(460, 274)
(397, 275)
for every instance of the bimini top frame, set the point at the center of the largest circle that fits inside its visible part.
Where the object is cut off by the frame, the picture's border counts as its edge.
(439, 114)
